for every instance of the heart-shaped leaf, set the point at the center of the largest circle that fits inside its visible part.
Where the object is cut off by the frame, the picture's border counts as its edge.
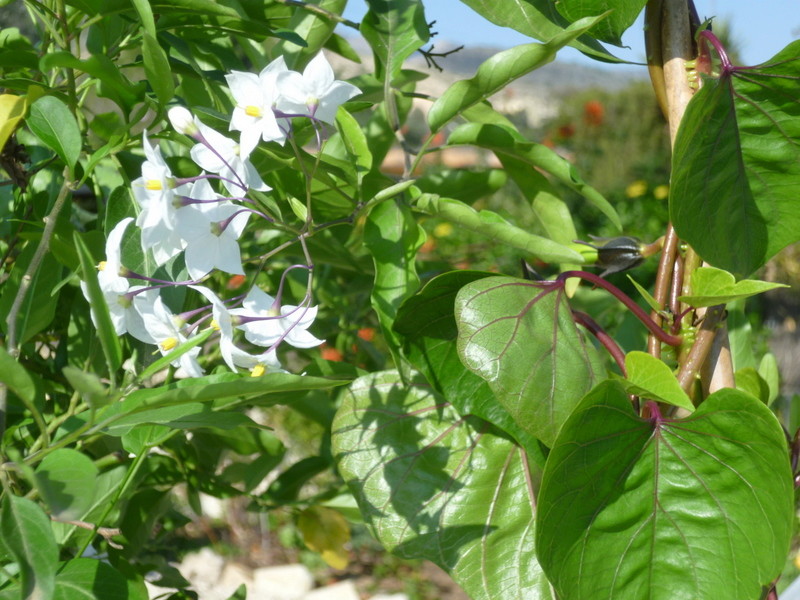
(736, 165)
(427, 325)
(712, 286)
(433, 484)
(651, 378)
(634, 508)
(520, 337)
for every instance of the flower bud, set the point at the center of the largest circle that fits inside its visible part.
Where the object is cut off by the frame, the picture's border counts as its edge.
(182, 121)
(617, 254)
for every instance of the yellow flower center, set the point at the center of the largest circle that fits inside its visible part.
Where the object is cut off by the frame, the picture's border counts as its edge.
(101, 266)
(214, 325)
(154, 185)
(252, 111)
(258, 370)
(168, 344)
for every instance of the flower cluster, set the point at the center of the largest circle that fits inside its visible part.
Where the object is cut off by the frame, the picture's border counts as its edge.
(191, 217)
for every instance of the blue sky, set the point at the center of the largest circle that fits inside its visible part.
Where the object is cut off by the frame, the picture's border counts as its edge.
(763, 27)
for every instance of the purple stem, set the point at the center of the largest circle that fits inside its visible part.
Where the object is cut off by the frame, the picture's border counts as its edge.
(671, 340)
(200, 138)
(606, 340)
(727, 65)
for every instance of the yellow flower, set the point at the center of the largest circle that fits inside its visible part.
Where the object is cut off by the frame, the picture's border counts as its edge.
(661, 191)
(636, 189)
(442, 230)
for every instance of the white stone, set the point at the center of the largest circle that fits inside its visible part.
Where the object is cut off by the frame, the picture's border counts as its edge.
(344, 590)
(288, 582)
(205, 565)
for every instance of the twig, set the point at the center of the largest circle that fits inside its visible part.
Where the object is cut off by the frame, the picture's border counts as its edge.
(430, 56)
(106, 532)
(320, 11)
(701, 348)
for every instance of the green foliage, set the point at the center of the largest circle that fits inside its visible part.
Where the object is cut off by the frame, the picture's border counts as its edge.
(491, 424)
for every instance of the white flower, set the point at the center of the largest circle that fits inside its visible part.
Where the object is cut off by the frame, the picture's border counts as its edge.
(163, 328)
(182, 120)
(208, 245)
(223, 322)
(109, 270)
(258, 364)
(271, 324)
(223, 156)
(255, 97)
(315, 92)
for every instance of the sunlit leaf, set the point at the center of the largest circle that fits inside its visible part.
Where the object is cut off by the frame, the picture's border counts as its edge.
(736, 165)
(433, 484)
(53, 123)
(12, 109)
(520, 337)
(395, 29)
(497, 72)
(621, 15)
(712, 286)
(508, 142)
(651, 378)
(66, 480)
(701, 507)
(538, 19)
(325, 530)
(88, 579)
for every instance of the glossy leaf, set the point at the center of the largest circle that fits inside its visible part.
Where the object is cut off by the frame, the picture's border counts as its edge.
(768, 370)
(395, 29)
(538, 19)
(507, 142)
(355, 142)
(66, 480)
(634, 508)
(520, 337)
(28, 537)
(53, 123)
(466, 185)
(620, 16)
(748, 380)
(649, 377)
(712, 286)
(736, 165)
(392, 236)
(433, 484)
(426, 323)
(89, 579)
(492, 225)
(16, 377)
(497, 72)
(157, 69)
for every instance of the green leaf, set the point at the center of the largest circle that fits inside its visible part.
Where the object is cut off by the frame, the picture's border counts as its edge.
(433, 484)
(66, 481)
(658, 508)
(109, 340)
(620, 16)
(495, 227)
(191, 415)
(145, 12)
(519, 336)
(157, 69)
(16, 377)
(325, 531)
(12, 110)
(88, 579)
(52, 122)
(466, 185)
(88, 385)
(712, 286)
(426, 323)
(507, 142)
(28, 536)
(355, 142)
(748, 380)
(394, 29)
(647, 296)
(311, 27)
(392, 236)
(497, 72)
(651, 378)
(538, 19)
(39, 306)
(768, 369)
(736, 165)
